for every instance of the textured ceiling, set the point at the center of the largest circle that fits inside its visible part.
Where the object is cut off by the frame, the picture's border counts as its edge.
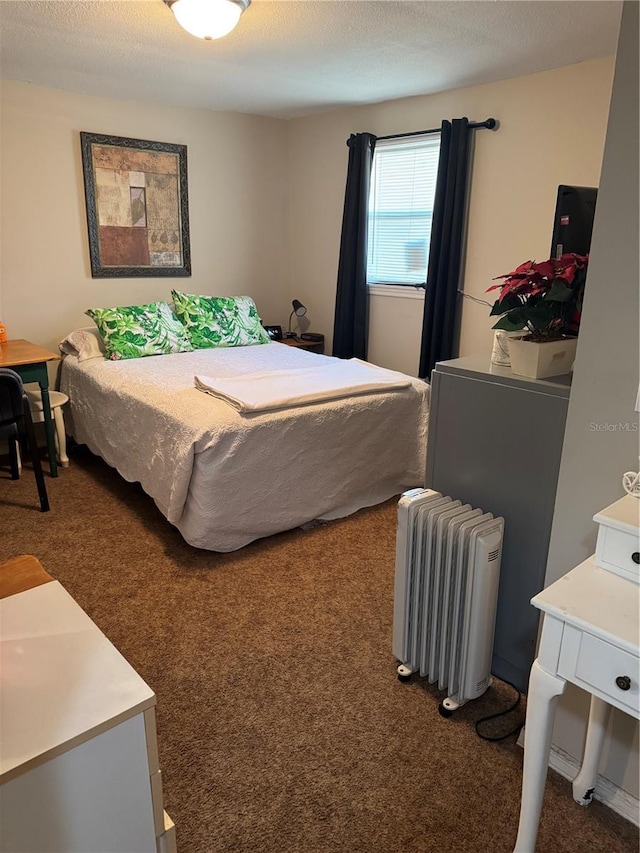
(289, 58)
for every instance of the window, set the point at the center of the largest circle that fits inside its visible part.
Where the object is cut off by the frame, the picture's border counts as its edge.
(403, 187)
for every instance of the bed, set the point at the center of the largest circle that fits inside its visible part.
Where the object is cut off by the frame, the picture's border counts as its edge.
(224, 478)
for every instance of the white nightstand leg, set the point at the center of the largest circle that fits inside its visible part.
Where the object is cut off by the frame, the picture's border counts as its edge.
(544, 690)
(585, 781)
(61, 438)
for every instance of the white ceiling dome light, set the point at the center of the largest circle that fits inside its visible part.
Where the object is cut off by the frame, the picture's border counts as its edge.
(208, 19)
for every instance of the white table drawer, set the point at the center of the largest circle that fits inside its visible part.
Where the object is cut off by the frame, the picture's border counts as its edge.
(615, 551)
(598, 664)
(619, 538)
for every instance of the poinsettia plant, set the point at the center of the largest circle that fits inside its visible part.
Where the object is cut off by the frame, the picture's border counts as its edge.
(545, 299)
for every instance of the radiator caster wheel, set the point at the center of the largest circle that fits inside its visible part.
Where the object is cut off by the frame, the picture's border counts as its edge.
(404, 673)
(444, 711)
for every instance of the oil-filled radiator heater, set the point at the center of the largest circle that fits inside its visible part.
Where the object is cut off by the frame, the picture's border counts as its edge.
(445, 596)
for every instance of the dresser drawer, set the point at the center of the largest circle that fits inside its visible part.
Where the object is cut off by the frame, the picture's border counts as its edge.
(619, 539)
(615, 550)
(597, 664)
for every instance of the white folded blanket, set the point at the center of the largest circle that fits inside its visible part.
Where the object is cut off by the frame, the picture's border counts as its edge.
(280, 389)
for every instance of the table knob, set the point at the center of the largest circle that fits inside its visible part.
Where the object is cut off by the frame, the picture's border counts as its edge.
(636, 557)
(623, 682)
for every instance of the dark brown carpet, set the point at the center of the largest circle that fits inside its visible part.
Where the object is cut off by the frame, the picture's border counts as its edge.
(281, 724)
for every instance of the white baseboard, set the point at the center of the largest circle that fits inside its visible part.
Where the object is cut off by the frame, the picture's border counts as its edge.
(618, 800)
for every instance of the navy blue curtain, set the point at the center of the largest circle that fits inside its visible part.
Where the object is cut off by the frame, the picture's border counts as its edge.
(351, 322)
(447, 242)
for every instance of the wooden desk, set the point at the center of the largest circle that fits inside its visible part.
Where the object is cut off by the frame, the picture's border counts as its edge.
(20, 574)
(310, 346)
(589, 637)
(30, 362)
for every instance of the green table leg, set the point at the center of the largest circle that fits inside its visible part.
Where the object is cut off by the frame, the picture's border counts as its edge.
(37, 372)
(48, 424)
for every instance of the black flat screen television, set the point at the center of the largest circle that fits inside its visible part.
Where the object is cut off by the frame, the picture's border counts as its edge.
(573, 223)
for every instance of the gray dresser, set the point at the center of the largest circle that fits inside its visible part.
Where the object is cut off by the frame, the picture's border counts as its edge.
(495, 441)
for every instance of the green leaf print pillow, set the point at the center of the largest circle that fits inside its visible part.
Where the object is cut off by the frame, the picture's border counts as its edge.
(219, 321)
(140, 330)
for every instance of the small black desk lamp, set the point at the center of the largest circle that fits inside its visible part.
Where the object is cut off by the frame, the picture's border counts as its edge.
(299, 310)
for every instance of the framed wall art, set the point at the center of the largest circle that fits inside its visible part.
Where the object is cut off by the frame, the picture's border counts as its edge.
(137, 207)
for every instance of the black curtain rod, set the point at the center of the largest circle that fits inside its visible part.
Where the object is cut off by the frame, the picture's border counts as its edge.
(489, 124)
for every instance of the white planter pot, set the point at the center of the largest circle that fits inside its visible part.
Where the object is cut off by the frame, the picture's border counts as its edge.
(540, 360)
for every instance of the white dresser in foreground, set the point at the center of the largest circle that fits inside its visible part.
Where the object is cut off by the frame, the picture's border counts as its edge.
(79, 769)
(590, 637)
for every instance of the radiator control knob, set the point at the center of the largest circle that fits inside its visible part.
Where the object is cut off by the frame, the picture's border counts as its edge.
(623, 682)
(636, 557)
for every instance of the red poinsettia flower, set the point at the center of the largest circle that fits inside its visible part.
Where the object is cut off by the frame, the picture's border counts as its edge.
(569, 264)
(528, 279)
(546, 269)
(542, 297)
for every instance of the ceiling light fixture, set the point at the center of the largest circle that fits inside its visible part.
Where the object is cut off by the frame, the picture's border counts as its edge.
(208, 19)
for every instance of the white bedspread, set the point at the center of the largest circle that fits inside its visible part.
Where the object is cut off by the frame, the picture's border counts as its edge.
(328, 379)
(224, 479)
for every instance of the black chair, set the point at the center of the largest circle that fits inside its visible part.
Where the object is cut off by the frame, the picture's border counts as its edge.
(15, 424)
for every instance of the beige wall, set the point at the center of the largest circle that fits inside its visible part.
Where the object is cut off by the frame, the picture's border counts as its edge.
(237, 204)
(266, 199)
(552, 132)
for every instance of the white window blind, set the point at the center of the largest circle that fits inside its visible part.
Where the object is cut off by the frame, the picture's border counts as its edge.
(403, 187)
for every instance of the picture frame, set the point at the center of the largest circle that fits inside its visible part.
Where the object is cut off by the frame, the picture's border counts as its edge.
(137, 207)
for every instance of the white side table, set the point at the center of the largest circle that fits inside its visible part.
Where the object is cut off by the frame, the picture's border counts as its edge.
(589, 637)
(57, 400)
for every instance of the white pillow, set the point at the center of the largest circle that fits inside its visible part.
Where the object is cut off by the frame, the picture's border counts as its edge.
(83, 343)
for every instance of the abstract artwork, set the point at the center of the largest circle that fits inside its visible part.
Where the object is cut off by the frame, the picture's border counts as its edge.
(137, 206)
